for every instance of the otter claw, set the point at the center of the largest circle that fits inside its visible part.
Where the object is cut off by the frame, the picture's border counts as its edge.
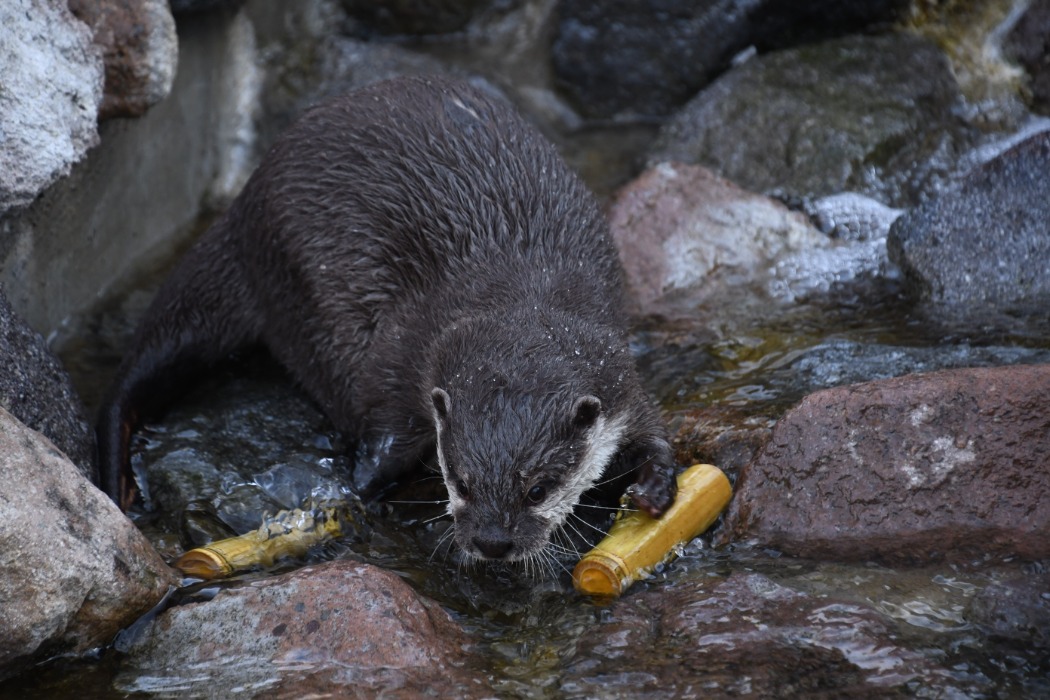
(655, 490)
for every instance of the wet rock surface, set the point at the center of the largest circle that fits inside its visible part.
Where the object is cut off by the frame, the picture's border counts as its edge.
(76, 570)
(140, 50)
(191, 6)
(821, 119)
(223, 453)
(340, 624)
(642, 60)
(50, 67)
(413, 16)
(984, 244)
(1016, 608)
(1029, 44)
(718, 374)
(35, 388)
(682, 230)
(948, 465)
(747, 635)
(718, 435)
(850, 216)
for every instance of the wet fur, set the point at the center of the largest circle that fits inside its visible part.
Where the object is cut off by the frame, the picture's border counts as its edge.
(412, 236)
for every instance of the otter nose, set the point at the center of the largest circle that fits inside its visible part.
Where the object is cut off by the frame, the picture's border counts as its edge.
(492, 548)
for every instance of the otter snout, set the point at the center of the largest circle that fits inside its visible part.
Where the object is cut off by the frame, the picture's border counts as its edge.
(493, 547)
(491, 540)
(499, 538)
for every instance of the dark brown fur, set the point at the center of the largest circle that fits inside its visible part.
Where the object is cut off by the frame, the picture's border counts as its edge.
(412, 236)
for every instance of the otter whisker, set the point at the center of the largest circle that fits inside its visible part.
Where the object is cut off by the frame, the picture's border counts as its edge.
(551, 561)
(550, 553)
(567, 546)
(437, 517)
(445, 540)
(580, 538)
(561, 548)
(560, 553)
(595, 506)
(421, 503)
(590, 525)
(541, 560)
(535, 568)
(635, 468)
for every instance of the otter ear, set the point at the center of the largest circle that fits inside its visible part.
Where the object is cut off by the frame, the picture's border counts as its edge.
(585, 411)
(439, 397)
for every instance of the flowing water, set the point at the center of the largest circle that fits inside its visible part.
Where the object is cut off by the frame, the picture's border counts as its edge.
(244, 442)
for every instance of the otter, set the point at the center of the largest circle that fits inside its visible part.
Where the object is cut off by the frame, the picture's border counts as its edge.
(426, 267)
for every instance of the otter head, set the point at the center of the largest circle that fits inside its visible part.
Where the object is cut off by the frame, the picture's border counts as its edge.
(515, 465)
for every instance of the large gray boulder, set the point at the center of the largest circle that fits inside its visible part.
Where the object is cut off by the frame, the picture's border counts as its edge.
(984, 245)
(51, 80)
(876, 115)
(74, 569)
(628, 59)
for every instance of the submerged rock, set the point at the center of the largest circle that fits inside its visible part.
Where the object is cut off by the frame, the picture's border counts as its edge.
(720, 435)
(745, 635)
(985, 244)
(52, 88)
(1017, 608)
(36, 389)
(943, 466)
(877, 115)
(76, 570)
(838, 362)
(340, 624)
(248, 445)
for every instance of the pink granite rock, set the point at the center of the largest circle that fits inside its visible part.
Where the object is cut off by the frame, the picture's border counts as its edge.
(949, 465)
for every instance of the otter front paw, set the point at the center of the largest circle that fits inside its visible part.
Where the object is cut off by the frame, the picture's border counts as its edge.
(655, 489)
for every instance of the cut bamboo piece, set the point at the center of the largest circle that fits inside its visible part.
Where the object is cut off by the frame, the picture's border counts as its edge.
(636, 542)
(290, 533)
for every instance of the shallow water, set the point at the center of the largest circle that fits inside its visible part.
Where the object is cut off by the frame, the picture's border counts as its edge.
(244, 443)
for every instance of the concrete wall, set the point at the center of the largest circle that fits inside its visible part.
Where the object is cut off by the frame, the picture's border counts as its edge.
(143, 186)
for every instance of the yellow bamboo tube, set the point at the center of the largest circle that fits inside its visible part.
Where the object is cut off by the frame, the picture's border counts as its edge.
(636, 542)
(290, 533)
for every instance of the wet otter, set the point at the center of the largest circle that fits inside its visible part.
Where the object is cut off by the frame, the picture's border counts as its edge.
(428, 269)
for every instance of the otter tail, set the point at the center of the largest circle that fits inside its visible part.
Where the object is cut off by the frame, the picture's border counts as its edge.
(202, 313)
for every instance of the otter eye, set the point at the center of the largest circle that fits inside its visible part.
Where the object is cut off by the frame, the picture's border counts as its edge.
(455, 482)
(538, 492)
